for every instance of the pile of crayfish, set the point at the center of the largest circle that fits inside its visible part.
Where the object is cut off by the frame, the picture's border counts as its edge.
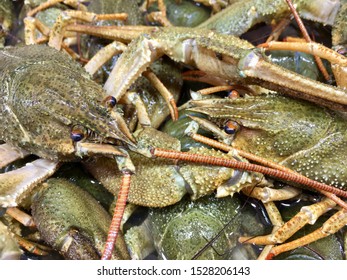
(173, 129)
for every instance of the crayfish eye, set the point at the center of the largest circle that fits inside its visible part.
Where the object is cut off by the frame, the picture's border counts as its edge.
(110, 101)
(231, 127)
(77, 133)
(233, 94)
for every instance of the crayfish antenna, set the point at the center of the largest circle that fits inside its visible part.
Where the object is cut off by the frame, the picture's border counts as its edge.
(127, 168)
(291, 177)
(117, 217)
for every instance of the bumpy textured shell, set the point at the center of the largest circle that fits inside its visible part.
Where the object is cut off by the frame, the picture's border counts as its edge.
(64, 210)
(43, 94)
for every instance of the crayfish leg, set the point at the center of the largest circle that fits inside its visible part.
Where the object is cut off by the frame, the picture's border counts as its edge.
(331, 226)
(307, 214)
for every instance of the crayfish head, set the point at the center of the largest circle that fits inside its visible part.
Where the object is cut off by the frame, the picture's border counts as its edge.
(271, 126)
(57, 105)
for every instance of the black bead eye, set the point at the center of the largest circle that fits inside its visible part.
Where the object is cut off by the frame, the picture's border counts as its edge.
(231, 127)
(77, 133)
(110, 101)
